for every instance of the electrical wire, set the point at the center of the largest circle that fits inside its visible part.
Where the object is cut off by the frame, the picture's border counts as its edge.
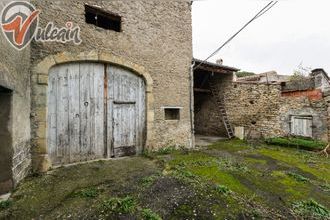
(258, 15)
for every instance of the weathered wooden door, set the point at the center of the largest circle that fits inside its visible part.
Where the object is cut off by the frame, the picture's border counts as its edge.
(302, 126)
(126, 112)
(94, 111)
(76, 113)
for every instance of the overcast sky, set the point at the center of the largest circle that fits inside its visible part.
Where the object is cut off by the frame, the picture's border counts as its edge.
(293, 32)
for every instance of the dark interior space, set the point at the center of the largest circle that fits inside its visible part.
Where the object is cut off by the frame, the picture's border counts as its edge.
(208, 121)
(102, 18)
(210, 81)
(6, 180)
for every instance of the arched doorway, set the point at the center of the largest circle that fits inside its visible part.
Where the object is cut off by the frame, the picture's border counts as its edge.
(95, 111)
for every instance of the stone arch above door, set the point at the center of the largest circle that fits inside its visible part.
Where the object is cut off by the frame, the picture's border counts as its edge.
(39, 81)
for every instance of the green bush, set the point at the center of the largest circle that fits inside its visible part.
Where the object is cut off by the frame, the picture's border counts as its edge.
(87, 193)
(125, 205)
(166, 150)
(298, 177)
(244, 74)
(300, 143)
(312, 209)
(148, 214)
(5, 204)
(223, 189)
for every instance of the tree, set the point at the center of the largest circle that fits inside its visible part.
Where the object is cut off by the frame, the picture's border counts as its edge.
(301, 73)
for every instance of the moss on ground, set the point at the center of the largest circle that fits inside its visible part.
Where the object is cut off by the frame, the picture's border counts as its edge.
(305, 161)
(228, 180)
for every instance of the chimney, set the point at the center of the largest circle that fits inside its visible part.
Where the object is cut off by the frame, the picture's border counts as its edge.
(219, 61)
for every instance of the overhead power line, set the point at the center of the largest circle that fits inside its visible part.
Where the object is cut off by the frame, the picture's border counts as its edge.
(258, 15)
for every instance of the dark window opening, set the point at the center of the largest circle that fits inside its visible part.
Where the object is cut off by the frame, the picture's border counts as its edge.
(6, 180)
(102, 18)
(172, 114)
(253, 122)
(251, 102)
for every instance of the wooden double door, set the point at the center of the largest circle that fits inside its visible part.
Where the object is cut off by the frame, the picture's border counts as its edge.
(94, 111)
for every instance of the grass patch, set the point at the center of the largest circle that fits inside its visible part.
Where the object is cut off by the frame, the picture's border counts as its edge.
(223, 189)
(166, 150)
(233, 146)
(148, 214)
(299, 160)
(311, 208)
(5, 204)
(149, 180)
(198, 167)
(125, 205)
(300, 143)
(298, 177)
(87, 193)
(325, 187)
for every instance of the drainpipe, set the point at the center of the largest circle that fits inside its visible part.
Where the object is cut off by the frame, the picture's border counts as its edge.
(192, 139)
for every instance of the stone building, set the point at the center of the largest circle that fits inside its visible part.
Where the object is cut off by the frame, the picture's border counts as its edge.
(264, 108)
(267, 77)
(125, 88)
(14, 114)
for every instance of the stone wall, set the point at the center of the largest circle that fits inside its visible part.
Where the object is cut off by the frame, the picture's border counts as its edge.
(15, 76)
(262, 108)
(156, 36)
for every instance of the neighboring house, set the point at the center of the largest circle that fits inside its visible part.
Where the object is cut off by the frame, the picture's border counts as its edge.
(257, 107)
(322, 80)
(268, 77)
(124, 89)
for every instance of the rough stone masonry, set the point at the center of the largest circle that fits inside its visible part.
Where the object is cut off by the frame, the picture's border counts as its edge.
(155, 41)
(14, 113)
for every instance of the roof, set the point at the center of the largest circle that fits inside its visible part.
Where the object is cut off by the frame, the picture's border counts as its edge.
(213, 67)
(270, 74)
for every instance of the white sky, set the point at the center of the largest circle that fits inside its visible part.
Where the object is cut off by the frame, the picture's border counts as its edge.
(291, 33)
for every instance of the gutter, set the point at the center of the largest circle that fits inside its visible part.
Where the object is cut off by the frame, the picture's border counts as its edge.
(192, 138)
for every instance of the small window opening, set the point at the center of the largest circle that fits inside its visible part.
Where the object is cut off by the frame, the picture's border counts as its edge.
(253, 122)
(102, 18)
(172, 113)
(251, 102)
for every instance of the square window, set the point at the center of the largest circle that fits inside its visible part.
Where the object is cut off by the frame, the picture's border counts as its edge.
(172, 113)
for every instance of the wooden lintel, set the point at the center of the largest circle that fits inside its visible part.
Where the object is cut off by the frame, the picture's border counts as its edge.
(202, 90)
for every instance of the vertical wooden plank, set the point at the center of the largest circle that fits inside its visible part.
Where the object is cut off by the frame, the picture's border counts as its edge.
(98, 111)
(141, 122)
(91, 147)
(85, 107)
(62, 114)
(74, 112)
(310, 127)
(110, 111)
(52, 114)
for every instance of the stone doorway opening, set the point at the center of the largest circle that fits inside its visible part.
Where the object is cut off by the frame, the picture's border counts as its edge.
(6, 151)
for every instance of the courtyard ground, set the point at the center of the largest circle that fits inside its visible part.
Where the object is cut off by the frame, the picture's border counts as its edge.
(227, 180)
